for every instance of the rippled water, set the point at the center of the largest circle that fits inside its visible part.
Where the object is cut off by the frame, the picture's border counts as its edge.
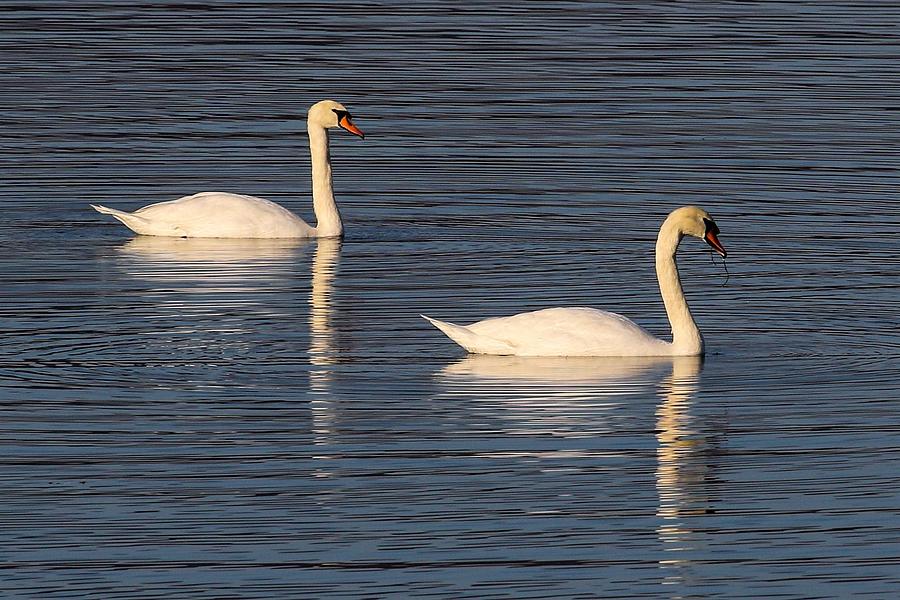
(190, 418)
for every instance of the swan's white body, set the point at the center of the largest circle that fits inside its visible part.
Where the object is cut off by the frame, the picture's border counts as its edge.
(577, 331)
(214, 215)
(225, 215)
(591, 332)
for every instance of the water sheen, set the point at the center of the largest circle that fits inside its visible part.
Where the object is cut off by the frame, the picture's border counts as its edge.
(259, 419)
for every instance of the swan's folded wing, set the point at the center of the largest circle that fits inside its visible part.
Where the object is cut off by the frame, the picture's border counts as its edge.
(222, 214)
(570, 332)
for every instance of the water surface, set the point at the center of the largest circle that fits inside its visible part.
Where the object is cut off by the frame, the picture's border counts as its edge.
(258, 419)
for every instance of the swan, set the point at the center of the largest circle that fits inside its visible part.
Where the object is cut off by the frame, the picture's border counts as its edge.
(590, 332)
(225, 215)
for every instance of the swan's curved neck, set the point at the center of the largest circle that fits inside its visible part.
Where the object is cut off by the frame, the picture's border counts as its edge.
(686, 338)
(328, 218)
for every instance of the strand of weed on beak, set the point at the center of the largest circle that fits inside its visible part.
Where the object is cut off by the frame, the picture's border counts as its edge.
(712, 258)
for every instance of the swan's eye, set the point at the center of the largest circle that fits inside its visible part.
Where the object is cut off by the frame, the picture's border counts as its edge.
(341, 113)
(711, 226)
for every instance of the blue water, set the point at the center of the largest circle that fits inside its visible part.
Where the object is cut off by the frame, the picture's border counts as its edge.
(261, 419)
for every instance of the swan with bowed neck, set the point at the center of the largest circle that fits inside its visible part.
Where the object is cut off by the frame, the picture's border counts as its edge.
(591, 332)
(225, 215)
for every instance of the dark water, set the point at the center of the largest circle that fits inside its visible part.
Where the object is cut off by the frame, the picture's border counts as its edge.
(200, 419)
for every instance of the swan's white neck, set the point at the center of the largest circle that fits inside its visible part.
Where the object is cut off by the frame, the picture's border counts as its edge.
(328, 218)
(686, 338)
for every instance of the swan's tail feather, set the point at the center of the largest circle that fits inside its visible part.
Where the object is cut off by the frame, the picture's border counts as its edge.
(132, 221)
(111, 211)
(471, 341)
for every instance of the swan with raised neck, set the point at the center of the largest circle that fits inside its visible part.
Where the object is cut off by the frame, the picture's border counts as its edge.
(227, 215)
(584, 331)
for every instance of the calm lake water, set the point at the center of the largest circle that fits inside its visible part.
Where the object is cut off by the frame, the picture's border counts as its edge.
(259, 419)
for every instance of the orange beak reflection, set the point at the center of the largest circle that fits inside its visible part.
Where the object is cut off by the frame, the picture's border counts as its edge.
(713, 241)
(346, 123)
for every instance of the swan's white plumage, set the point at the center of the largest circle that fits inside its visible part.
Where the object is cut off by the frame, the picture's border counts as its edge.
(227, 215)
(584, 331)
(214, 214)
(577, 331)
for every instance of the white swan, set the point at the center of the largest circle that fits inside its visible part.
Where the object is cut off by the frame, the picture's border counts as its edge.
(592, 332)
(224, 215)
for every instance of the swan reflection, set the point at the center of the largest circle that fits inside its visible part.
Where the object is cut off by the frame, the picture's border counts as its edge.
(210, 249)
(682, 472)
(576, 397)
(208, 298)
(209, 262)
(563, 396)
(323, 353)
(322, 350)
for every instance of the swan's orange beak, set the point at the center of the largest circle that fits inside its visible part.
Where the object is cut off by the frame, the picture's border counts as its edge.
(713, 241)
(345, 123)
